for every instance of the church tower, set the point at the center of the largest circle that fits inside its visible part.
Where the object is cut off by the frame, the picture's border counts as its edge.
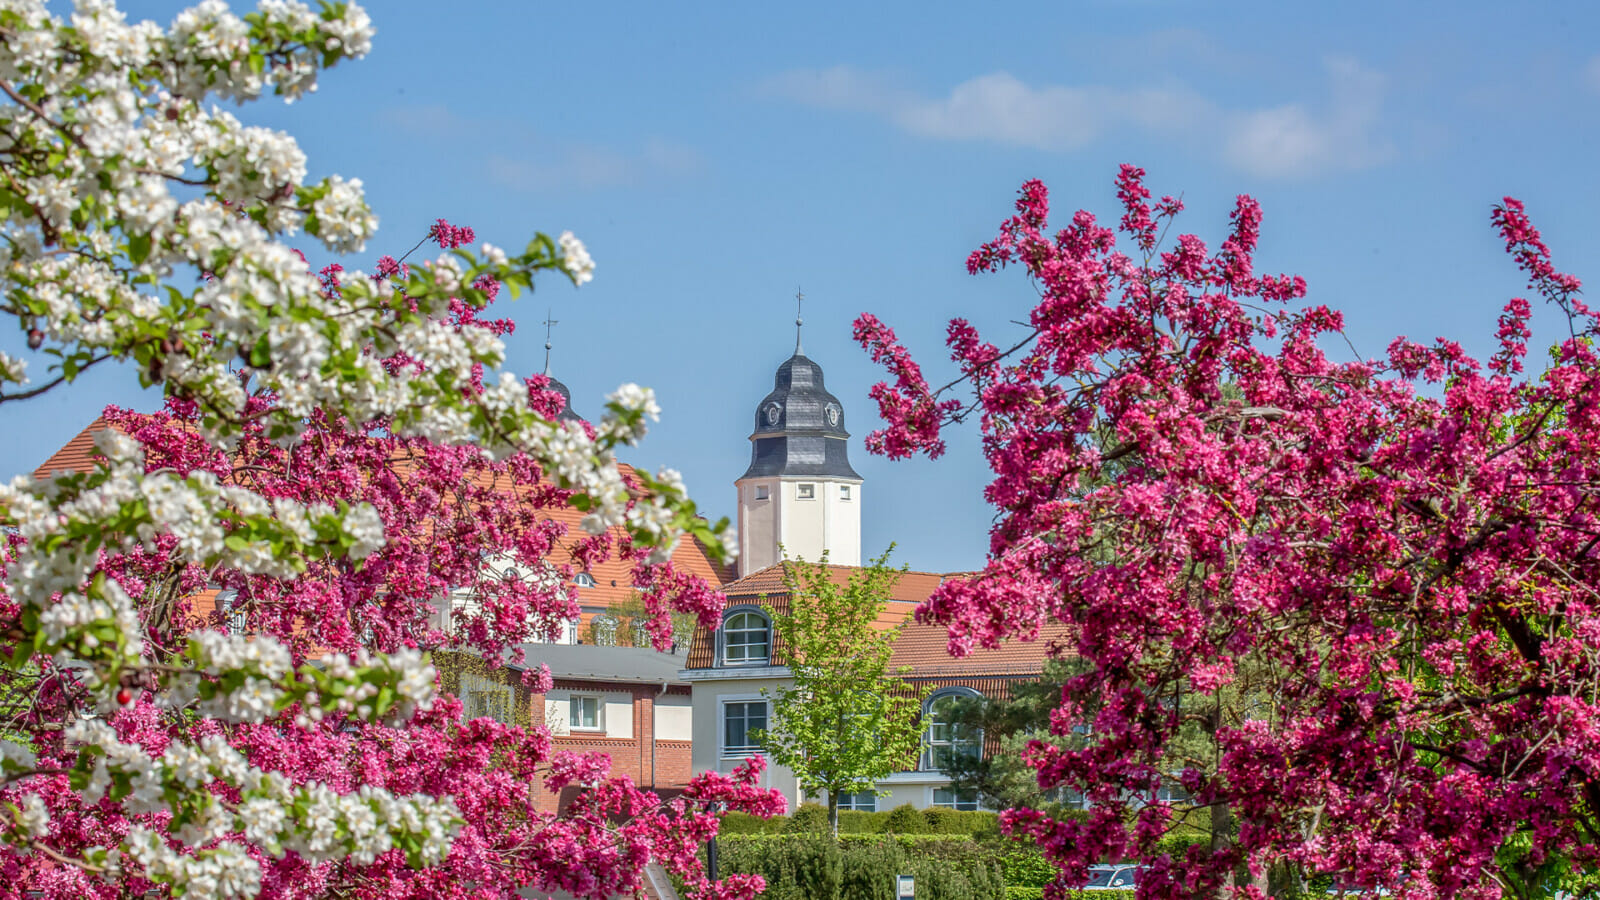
(799, 491)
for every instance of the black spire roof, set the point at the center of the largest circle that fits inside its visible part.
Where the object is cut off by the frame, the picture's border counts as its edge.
(800, 427)
(566, 414)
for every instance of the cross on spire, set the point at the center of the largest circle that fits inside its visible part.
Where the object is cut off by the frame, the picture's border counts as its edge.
(799, 299)
(549, 323)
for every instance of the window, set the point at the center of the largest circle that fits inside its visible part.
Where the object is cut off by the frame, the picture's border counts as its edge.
(741, 720)
(746, 639)
(945, 741)
(1171, 791)
(583, 580)
(806, 491)
(603, 630)
(864, 801)
(950, 798)
(588, 713)
(229, 604)
(844, 492)
(485, 698)
(761, 492)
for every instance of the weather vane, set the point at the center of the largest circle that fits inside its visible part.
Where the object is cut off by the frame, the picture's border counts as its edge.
(549, 323)
(799, 298)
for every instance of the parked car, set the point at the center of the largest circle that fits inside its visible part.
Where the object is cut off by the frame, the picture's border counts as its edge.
(1112, 878)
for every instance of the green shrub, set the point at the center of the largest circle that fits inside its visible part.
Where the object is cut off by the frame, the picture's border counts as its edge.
(744, 823)
(1020, 892)
(810, 818)
(905, 819)
(1025, 866)
(856, 822)
(812, 867)
(977, 823)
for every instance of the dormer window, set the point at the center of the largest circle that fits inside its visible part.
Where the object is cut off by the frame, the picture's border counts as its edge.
(746, 639)
(583, 580)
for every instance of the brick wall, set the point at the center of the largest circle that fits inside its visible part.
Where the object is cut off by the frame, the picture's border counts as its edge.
(669, 766)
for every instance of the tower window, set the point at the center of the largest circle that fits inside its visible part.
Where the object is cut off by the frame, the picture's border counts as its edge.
(844, 492)
(761, 492)
(806, 491)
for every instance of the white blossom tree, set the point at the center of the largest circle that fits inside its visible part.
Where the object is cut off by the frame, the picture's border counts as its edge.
(118, 174)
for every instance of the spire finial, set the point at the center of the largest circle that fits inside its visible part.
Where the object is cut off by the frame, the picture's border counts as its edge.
(549, 323)
(799, 298)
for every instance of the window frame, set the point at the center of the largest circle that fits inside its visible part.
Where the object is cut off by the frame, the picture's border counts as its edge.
(726, 750)
(805, 491)
(234, 618)
(574, 702)
(844, 493)
(925, 760)
(852, 801)
(727, 629)
(956, 802)
(760, 493)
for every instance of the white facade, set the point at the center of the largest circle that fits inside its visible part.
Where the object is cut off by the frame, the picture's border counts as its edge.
(801, 515)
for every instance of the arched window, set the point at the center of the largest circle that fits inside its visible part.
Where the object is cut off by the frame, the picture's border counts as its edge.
(944, 740)
(746, 639)
(583, 580)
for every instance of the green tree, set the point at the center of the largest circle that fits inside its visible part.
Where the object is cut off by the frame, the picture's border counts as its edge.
(847, 721)
(1003, 780)
(626, 623)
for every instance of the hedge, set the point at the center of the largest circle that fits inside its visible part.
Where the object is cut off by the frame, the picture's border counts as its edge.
(813, 818)
(1020, 892)
(812, 867)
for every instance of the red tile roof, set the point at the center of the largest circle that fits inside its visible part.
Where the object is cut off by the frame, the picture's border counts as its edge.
(613, 579)
(920, 649)
(77, 455)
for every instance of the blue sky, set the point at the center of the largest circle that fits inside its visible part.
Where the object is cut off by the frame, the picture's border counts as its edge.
(714, 159)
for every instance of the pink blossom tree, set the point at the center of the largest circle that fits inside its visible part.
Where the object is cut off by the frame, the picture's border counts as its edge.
(1192, 474)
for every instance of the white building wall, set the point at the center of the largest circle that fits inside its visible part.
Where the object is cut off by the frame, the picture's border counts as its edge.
(617, 719)
(708, 755)
(758, 524)
(804, 521)
(844, 523)
(674, 718)
(709, 696)
(619, 715)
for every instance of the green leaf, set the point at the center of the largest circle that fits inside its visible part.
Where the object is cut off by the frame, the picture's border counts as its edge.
(138, 247)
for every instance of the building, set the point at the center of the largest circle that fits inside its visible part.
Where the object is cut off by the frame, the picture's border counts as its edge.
(662, 716)
(799, 496)
(626, 702)
(799, 499)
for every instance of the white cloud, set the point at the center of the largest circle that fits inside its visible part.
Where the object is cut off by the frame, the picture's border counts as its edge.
(1285, 141)
(1293, 140)
(997, 107)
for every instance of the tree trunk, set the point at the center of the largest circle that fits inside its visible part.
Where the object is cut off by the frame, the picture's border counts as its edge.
(833, 815)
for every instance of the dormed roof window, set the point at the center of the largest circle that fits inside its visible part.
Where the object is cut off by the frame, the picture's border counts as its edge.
(746, 638)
